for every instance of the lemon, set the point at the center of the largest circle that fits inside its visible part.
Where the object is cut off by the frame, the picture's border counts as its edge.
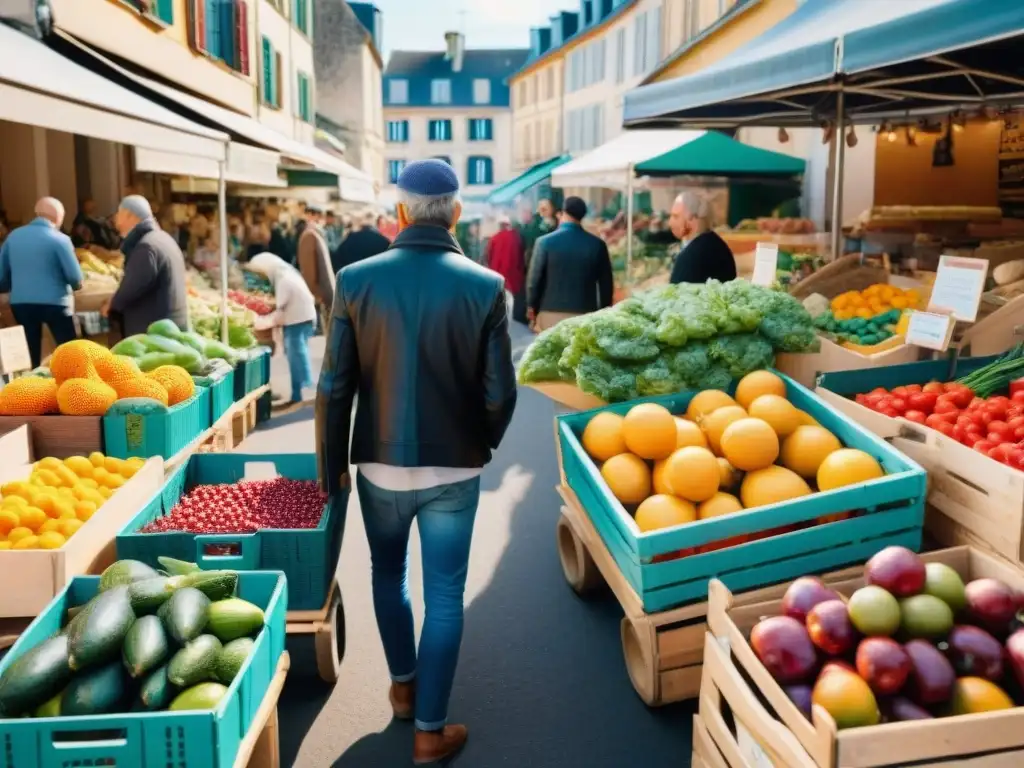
(113, 482)
(48, 478)
(128, 471)
(32, 517)
(70, 527)
(17, 534)
(46, 503)
(80, 465)
(49, 463)
(29, 542)
(106, 493)
(51, 540)
(85, 509)
(17, 502)
(113, 465)
(88, 482)
(98, 474)
(96, 497)
(6, 545)
(64, 508)
(68, 514)
(14, 488)
(9, 519)
(66, 476)
(65, 493)
(96, 458)
(50, 525)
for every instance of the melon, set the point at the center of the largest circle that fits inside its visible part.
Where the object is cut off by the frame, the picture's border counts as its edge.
(650, 431)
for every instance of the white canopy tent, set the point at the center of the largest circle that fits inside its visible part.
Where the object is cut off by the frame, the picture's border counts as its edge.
(612, 165)
(40, 87)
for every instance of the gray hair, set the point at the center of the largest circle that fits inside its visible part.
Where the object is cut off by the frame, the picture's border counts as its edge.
(438, 210)
(696, 205)
(51, 209)
(137, 206)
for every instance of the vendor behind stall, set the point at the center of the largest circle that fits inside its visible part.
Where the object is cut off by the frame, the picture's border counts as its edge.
(705, 256)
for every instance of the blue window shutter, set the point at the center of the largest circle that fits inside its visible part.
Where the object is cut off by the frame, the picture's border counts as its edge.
(405, 130)
(164, 10)
(488, 129)
(213, 25)
(267, 70)
(228, 24)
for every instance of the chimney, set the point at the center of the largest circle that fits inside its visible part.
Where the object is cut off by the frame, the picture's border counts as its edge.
(455, 45)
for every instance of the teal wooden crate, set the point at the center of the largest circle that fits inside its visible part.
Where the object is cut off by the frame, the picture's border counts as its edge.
(893, 514)
(207, 739)
(162, 434)
(850, 383)
(308, 557)
(222, 396)
(252, 373)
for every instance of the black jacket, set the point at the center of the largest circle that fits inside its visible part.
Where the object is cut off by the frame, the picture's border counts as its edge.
(420, 333)
(359, 245)
(153, 286)
(706, 257)
(570, 272)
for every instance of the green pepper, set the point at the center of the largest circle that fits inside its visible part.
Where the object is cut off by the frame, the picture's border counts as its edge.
(869, 339)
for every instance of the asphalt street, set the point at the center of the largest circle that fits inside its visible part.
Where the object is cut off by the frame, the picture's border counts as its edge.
(541, 679)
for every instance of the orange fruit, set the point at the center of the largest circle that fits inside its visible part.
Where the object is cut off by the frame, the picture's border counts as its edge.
(806, 448)
(750, 444)
(602, 437)
(664, 511)
(659, 478)
(847, 466)
(688, 433)
(778, 412)
(720, 504)
(772, 485)
(650, 431)
(693, 473)
(714, 424)
(730, 477)
(628, 478)
(757, 383)
(707, 401)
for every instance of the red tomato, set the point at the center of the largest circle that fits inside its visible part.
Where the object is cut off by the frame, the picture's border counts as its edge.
(933, 386)
(984, 446)
(922, 401)
(900, 391)
(976, 403)
(879, 391)
(1002, 452)
(874, 399)
(1015, 422)
(934, 420)
(912, 388)
(860, 399)
(971, 439)
(1016, 457)
(916, 416)
(1000, 430)
(998, 410)
(950, 386)
(959, 433)
(945, 428)
(898, 404)
(892, 413)
(945, 405)
(1018, 397)
(1014, 411)
(962, 397)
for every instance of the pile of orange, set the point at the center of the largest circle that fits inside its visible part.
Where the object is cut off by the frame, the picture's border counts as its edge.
(726, 454)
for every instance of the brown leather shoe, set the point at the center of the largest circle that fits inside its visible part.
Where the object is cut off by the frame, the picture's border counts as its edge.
(403, 698)
(437, 746)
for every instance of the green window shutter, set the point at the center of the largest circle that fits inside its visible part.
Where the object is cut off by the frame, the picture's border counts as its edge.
(164, 10)
(267, 71)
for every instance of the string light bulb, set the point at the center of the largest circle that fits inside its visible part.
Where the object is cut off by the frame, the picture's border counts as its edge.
(851, 138)
(911, 136)
(783, 136)
(890, 136)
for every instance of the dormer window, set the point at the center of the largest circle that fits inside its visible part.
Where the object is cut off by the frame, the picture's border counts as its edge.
(441, 91)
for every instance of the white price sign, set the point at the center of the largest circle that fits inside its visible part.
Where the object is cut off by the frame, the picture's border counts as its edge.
(959, 283)
(930, 330)
(766, 258)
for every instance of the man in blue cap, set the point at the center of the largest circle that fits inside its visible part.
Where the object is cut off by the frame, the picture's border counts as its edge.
(420, 334)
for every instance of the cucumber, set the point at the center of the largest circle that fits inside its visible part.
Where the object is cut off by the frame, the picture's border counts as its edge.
(195, 662)
(202, 696)
(231, 659)
(176, 567)
(49, 708)
(96, 692)
(95, 635)
(125, 572)
(233, 618)
(35, 677)
(216, 585)
(184, 615)
(156, 691)
(145, 646)
(149, 594)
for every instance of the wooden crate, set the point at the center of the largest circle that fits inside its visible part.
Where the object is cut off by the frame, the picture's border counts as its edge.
(41, 574)
(767, 729)
(705, 753)
(59, 436)
(663, 651)
(805, 367)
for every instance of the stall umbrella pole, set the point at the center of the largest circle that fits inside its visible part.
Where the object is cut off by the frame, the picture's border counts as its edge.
(222, 213)
(629, 226)
(838, 171)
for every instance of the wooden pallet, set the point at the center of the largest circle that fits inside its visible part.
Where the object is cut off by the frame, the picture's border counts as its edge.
(223, 436)
(327, 626)
(260, 748)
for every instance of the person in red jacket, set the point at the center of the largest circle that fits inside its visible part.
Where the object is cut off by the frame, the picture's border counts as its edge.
(506, 255)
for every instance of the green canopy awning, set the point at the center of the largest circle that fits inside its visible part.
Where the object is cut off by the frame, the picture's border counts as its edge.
(510, 190)
(715, 154)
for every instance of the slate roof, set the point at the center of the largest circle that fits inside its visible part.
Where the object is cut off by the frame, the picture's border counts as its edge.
(420, 67)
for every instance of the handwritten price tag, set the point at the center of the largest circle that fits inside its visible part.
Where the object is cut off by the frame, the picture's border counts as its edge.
(930, 330)
(959, 283)
(766, 259)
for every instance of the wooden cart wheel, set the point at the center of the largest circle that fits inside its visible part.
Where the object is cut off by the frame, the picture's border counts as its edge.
(329, 641)
(639, 646)
(577, 564)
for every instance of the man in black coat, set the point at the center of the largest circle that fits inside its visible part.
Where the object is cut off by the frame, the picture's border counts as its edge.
(571, 272)
(706, 256)
(361, 244)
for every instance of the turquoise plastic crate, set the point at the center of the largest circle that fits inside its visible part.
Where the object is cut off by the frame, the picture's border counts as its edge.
(851, 383)
(222, 396)
(207, 739)
(158, 434)
(308, 557)
(894, 514)
(252, 373)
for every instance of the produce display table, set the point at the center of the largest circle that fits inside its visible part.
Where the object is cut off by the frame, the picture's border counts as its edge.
(261, 746)
(226, 433)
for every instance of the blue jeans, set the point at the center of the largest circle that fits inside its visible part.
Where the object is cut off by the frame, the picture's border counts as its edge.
(445, 517)
(296, 349)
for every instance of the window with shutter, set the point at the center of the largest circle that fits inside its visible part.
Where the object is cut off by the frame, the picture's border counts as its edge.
(164, 10)
(213, 25)
(242, 43)
(197, 22)
(305, 98)
(267, 71)
(278, 79)
(228, 33)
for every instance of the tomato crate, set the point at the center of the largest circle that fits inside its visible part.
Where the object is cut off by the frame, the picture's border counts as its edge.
(892, 512)
(252, 373)
(161, 434)
(197, 739)
(307, 556)
(222, 396)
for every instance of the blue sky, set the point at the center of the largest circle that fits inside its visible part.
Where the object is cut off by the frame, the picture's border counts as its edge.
(421, 24)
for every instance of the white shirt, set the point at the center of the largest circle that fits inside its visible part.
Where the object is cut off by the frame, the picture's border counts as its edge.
(295, 304)
(415, 478)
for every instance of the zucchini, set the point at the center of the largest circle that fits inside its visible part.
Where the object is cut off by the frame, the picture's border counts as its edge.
(96, 692)
(145, 646)
(125, 572)
(149, 594)
(202, 696)
(232, 658)
(184, 615)
(216, 585)
(49, 708)
(35, 677)
(156, 691)
(95, 635)
(233, 618)
(176, 567)
(194, 663)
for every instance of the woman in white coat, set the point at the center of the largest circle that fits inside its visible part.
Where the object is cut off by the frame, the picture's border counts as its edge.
(295, 313)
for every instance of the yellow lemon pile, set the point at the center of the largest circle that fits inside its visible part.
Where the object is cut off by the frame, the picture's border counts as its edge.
(57, 499)
(874, 301)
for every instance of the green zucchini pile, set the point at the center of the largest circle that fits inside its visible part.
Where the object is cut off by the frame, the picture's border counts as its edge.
(149, 640)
